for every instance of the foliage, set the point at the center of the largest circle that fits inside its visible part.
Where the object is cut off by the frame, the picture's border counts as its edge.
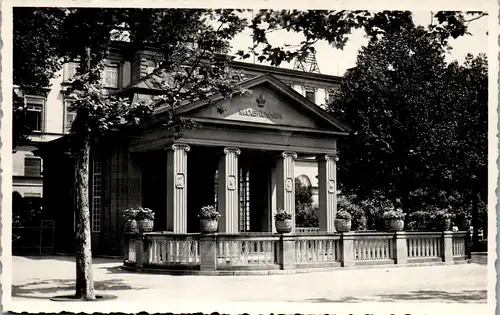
(306, 215)
(373, 207)
(420, 221)
(35, 60)
(335, 27)
(394, 214)
(282, 215)
(142, 213)
(26, 211)
(351, 205)
(131, 213)
(344, 215)
(208, 212)
(443, 214)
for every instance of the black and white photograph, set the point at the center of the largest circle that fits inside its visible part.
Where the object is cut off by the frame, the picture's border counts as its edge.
(164, 157)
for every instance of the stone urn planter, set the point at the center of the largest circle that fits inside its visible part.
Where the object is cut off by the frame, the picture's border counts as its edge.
(342, 225)
(145, 225)
(342, 221)
(283, 226)
(209, 225)
(145, 219)
(131, 226)
(445, 224)
(209, 219)
(395, 224)
(283, 221)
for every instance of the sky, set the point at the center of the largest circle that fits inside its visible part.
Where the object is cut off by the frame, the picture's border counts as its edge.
(333, 61)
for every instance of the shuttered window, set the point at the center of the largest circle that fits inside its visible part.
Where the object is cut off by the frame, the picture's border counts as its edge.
(32, 166)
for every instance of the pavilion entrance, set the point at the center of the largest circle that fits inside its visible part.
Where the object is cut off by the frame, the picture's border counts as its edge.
(254, 187)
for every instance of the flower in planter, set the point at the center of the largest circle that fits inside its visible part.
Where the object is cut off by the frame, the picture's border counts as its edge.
(394, 214)
(130, 214)
(145, 214)
(208, 212)
(282, 215)
(443, 214)
(344, 215)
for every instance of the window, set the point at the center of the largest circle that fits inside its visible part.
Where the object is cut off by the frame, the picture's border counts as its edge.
(69, 70)
(32, 166)
(69, 116)
(34, 113)
(244, 200)
(310, 95)
(216, 189)
(110, 76)
(96, 195)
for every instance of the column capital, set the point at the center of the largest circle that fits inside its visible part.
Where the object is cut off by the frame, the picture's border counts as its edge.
(328, 157)
(289, 154)
(233, 150)
(178, 147)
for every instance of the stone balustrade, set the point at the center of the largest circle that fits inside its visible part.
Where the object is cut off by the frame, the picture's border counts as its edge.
(227, 253)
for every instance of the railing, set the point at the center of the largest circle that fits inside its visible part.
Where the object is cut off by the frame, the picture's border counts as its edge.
(425, 245)
(306, 230)
(317, 249)
(249, 250)
(374, 246)
(460, 243)
(172, 249)
(268, 251)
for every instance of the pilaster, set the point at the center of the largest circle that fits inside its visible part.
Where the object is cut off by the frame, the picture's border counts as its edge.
(177, 188)
(228, 184)
(327, 192)
(285, 184)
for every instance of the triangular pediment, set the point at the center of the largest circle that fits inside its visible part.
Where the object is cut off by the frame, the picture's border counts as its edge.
(270, 102)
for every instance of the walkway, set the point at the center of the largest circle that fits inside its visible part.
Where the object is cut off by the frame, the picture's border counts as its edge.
(35, 279)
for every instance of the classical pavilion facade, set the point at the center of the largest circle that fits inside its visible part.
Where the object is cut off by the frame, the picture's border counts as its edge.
(241, 159)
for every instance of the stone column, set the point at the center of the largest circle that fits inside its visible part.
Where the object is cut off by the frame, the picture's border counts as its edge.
(400, 248)
(448, 247)
(177, 188)
(285, 184)
(327, 192)
(228, 183)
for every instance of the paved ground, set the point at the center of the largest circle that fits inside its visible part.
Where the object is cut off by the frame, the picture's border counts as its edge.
(35, 279)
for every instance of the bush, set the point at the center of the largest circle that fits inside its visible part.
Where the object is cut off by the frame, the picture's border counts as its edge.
(306, 215)
(420, 221)
(351, 206)
(374, 208)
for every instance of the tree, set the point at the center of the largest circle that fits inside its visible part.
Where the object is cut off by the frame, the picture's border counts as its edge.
(35, 60)
(391, 104)
(419, 125)
(335, 27)
(188, 75)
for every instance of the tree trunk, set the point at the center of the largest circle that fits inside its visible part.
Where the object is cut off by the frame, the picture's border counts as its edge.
(84, 279)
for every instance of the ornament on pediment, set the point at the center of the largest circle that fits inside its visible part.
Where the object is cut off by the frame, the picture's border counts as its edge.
(289, 184)
(331, 186)
(179, 180)
(231, 182)
(261, 101)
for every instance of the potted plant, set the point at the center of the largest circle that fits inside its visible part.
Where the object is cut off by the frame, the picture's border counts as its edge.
(394, 219)
(342, 221)
(145, 219)
(443, 218)
(130, 216)
(209, 219)
(283, 221)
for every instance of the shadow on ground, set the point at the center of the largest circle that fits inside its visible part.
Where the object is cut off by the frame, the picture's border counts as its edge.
(474, 296)
(95, 260)
(33, 290)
